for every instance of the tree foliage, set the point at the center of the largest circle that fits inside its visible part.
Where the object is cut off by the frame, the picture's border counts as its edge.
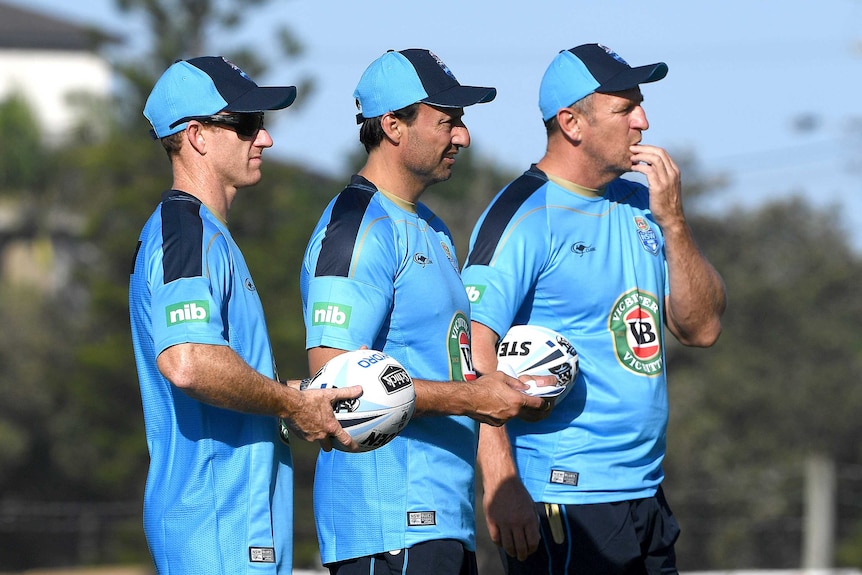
(21, 157)
(776, 389)
(779, 385)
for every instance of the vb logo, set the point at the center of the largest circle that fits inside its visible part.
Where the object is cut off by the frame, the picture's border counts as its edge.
(188, 311)
(327, 313)
(635, 323)
(475, 293)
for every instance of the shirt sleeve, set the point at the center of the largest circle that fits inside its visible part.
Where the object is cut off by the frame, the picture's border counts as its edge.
(349, 310)
(499, 288)
(192, 309)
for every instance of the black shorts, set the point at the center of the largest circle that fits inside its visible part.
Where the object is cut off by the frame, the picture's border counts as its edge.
(625, 538)
(439, 557)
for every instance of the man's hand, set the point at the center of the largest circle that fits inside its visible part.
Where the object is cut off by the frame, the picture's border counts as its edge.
(697, 297)
(663, 177)
(310, 415)
(511, 518)
(509, 510)
(499, 397)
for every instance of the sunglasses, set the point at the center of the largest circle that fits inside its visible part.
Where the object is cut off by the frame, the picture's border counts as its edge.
(247, 125)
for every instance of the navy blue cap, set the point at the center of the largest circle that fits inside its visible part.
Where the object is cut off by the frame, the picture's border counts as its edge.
(205, 86)
(397, 79)
(578, 72)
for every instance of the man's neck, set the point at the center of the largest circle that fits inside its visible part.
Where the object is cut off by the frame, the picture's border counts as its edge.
(387, 174)
(578, 174)
(217, 200)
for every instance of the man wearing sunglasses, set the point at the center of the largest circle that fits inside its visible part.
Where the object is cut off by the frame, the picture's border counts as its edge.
(219, 490)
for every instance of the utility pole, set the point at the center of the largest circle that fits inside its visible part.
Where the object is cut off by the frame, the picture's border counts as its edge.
(819, 529)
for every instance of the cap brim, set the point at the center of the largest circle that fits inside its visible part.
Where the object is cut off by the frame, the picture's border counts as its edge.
(461, 97)
(633, 77)
(263, 98)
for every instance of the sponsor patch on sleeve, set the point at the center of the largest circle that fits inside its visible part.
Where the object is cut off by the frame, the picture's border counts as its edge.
(331, 314)
(188, 311)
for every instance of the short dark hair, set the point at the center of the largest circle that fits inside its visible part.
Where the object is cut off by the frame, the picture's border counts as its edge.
(371, 131)
(584, 106)
(173, 143)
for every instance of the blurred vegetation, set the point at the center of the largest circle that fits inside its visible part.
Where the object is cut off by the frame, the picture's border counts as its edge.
(779, 387)
(781, 384)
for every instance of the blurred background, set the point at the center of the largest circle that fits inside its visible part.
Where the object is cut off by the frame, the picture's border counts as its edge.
(760, 109)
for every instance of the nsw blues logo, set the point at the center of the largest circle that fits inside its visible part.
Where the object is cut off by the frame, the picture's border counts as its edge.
(648, 238)
(613, 55)
(443, 66)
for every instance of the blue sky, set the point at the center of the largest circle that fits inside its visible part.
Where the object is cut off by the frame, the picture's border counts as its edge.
(766, 92)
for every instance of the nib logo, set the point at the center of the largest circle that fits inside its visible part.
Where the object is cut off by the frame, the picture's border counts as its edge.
(327, 313)
(187, 311)
(475, 293)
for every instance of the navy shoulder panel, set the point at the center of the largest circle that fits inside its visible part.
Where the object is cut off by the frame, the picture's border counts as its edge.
(336, 248)
(501, 212)
(182, 236)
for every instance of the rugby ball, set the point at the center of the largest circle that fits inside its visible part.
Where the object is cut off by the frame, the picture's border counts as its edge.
(387, 401)
(537, 350)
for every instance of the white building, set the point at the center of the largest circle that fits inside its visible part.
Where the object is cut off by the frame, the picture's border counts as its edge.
(47, 60)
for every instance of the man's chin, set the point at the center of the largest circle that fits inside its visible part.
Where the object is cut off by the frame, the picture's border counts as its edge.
(254, 179)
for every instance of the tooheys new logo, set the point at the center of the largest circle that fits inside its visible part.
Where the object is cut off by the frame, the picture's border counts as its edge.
(635, 323)
(460, 358)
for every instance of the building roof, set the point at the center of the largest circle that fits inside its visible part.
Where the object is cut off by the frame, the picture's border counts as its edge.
(25, 29)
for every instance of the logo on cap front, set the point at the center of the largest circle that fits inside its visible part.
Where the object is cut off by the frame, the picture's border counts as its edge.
(237, 68)
(613, 55)
(443, 66)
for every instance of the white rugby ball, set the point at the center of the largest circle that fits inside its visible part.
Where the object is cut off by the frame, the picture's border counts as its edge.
(387, 401)
(537, 350)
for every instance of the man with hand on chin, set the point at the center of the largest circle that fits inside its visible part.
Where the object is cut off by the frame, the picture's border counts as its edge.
(608, 263)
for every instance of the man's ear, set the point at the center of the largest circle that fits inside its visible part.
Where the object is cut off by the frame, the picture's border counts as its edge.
(391, 126)
(571, 123)
(196, 136)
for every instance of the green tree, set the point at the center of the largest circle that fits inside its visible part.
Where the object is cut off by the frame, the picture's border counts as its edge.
(779, 385)
(22, 157)
(20, 315)
(72, 414)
